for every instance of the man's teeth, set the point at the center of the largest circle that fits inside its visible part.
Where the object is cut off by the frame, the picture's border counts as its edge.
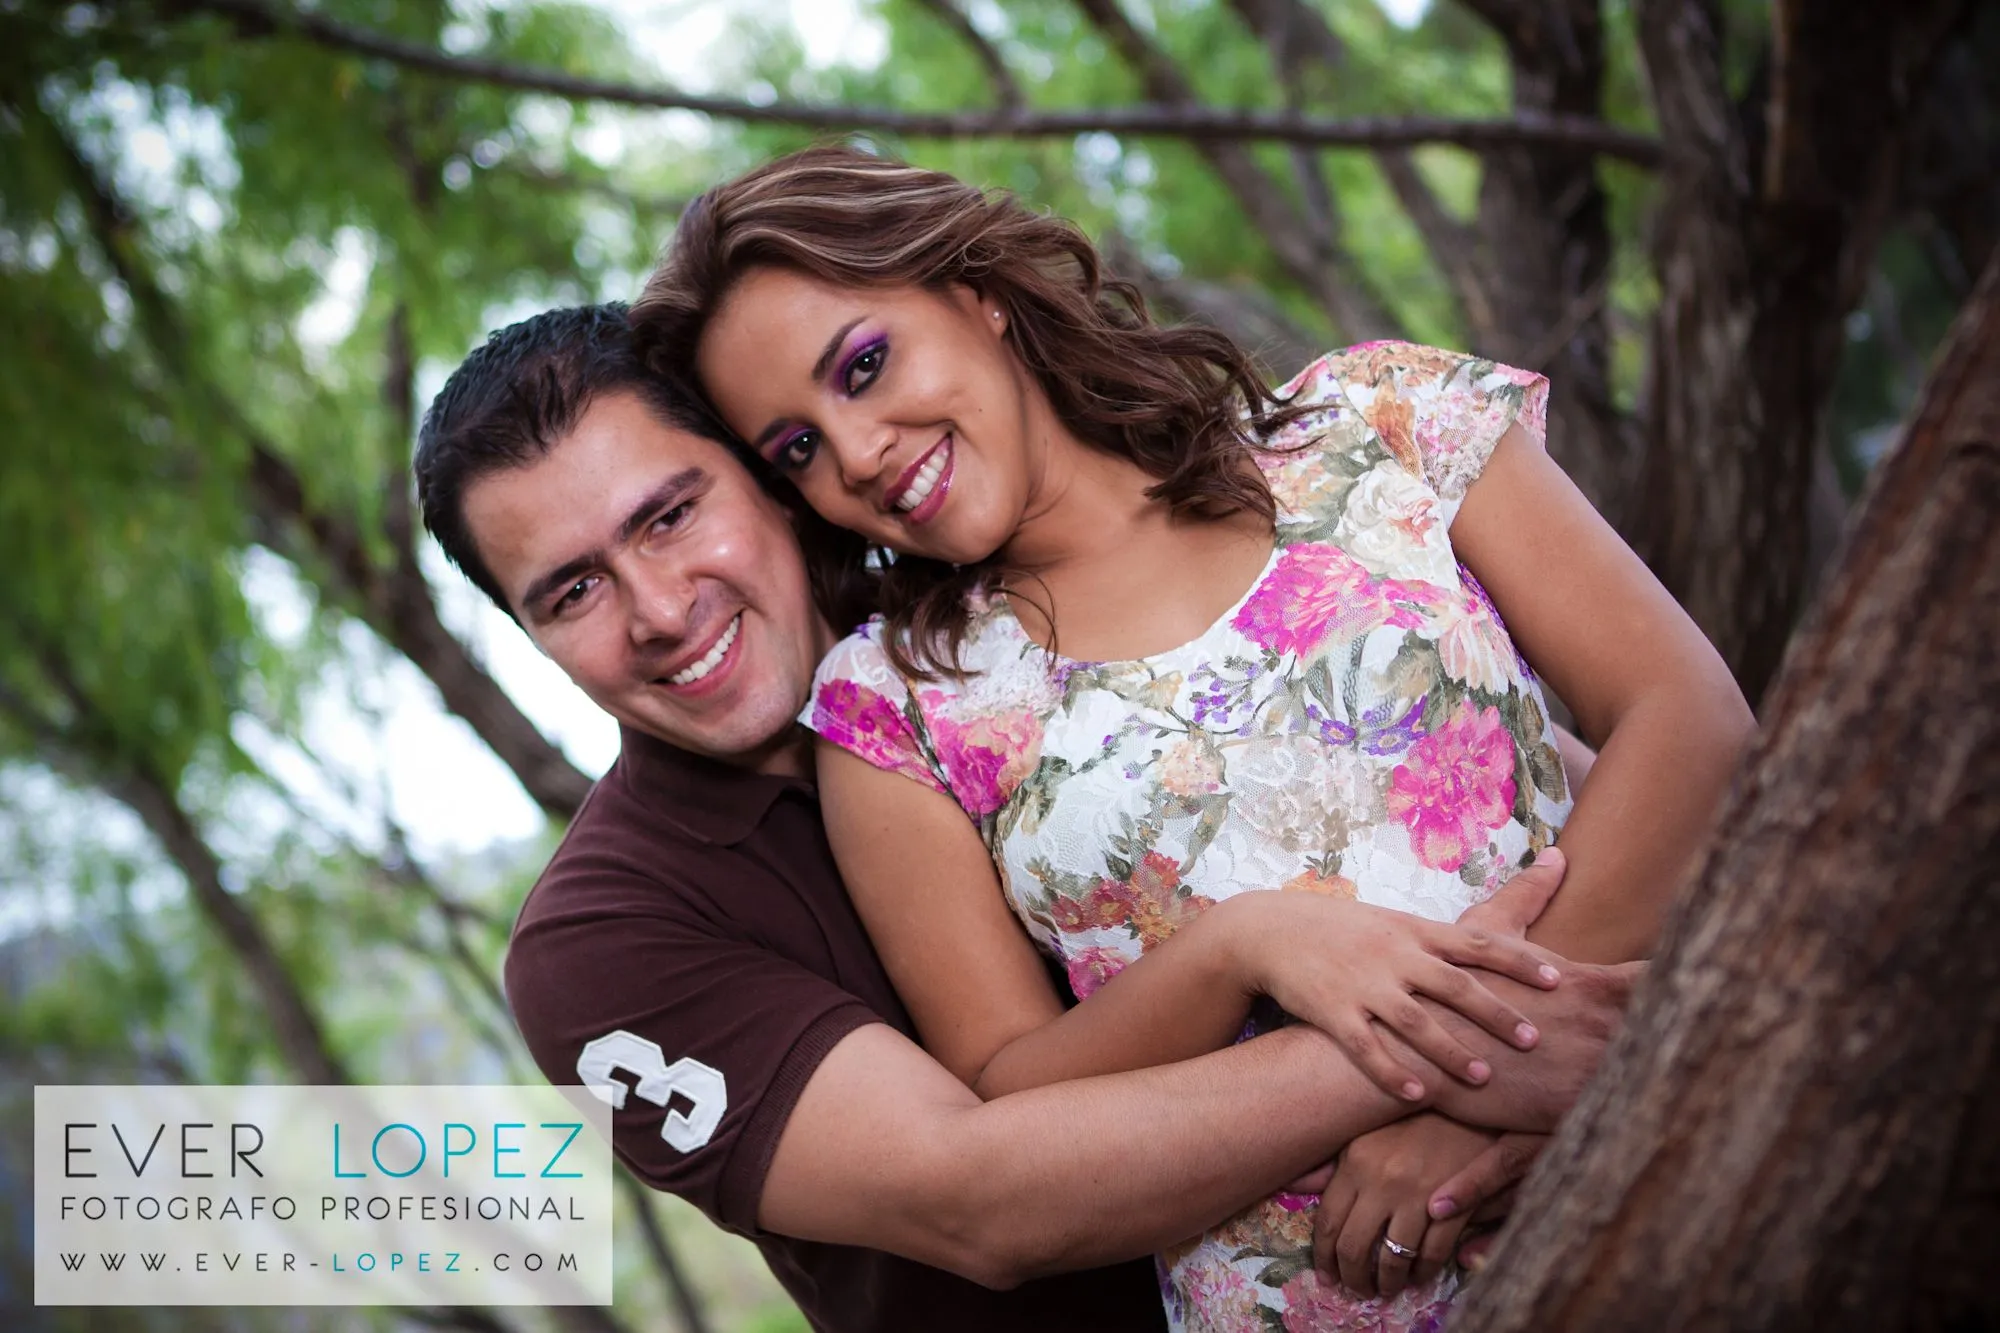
(922, 484)
(711, 659)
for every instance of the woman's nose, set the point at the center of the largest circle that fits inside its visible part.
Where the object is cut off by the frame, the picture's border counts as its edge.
(863, 455)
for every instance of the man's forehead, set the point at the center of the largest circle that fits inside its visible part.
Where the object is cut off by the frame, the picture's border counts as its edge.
(618, 447)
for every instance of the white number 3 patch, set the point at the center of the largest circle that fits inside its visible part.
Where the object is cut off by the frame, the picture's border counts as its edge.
(658, 1081)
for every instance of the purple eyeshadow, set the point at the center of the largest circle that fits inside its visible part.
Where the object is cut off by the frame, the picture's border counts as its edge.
(855, 354)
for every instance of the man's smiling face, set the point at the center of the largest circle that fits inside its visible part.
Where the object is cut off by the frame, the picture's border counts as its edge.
(650, 566)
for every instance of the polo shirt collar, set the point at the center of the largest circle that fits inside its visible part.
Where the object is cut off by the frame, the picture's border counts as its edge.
(707, 799)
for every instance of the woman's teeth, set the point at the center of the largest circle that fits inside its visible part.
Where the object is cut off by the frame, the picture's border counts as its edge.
(711, 659)
(922, 484)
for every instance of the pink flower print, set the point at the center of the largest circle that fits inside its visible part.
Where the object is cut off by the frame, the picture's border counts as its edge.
(856, 718)
(1455, 786)
(985, 756)
(1314, 1304)
(1224, 1297)
(1316, 591)
(1474, 646)
(1150, 904)
(1092, 967)
(1452, 421)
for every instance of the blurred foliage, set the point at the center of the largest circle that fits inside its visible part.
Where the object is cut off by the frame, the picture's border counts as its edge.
(218, 251)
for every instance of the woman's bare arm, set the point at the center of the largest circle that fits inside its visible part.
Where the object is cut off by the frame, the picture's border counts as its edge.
(1645, 685)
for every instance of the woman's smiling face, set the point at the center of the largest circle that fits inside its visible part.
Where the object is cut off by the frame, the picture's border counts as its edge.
(899, 412)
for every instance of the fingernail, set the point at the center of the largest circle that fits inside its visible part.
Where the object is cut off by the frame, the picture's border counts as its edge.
(1413, 1090)
(1478, 1071)
(1526, 1034)
(1476, 1263)
(1443, 1207)
(1550, 975)
(1549, 856)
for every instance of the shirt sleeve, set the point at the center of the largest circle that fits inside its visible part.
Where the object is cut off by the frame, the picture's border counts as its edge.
(862, 704)
(1438, 413)
(702, 1041)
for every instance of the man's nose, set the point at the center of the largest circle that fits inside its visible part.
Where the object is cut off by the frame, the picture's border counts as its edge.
(659, 604)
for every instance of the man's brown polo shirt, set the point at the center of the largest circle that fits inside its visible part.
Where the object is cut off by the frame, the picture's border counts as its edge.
(691, 943)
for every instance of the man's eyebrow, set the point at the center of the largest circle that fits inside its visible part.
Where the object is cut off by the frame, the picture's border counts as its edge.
(663, 496)
(667, 494)
(568, 572)
(820, 367)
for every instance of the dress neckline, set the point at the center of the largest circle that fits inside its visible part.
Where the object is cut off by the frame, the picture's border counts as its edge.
(1005, 609)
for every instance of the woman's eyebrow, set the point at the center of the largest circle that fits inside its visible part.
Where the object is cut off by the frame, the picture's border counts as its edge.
(820, 367)
(832, 348)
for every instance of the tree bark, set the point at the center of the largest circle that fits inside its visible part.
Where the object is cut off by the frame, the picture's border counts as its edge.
(1760, 255)
(1800, 1125)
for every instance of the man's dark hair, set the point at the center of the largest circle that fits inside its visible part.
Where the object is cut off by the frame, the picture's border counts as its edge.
(527, 387)
(518, 394)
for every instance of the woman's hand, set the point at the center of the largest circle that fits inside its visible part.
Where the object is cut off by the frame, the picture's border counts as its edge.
(1377, 1204)
(1344, 967)
(1483, 1188)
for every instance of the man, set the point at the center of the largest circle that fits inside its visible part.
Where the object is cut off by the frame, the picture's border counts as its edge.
(690, 952)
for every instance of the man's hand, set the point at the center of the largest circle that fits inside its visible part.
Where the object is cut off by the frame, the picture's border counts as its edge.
(1380, 1192)
(1530, 1092)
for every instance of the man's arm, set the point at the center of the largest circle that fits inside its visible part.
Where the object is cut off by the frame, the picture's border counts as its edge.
(886, 1149)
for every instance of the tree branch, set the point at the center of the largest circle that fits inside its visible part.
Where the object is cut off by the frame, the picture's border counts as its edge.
(1198, 123)
(1299, 42)
(1247, 314)
(1307, 252)
(1453, 246)
(295, 1027)
(1006, 88)
(687, 1304)
(1299, 39)
(395, 601)
(1296, 35)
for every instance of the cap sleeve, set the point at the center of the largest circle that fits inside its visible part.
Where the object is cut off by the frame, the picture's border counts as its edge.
(1438, 413)
(862, 704)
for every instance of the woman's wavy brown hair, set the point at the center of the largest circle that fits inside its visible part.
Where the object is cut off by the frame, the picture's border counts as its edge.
(1184, 404)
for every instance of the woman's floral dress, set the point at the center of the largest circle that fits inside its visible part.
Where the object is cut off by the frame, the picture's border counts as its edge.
(1359, 724)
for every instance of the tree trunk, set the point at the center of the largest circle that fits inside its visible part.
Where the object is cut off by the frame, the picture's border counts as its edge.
(1761, 249)
(1800, 1125)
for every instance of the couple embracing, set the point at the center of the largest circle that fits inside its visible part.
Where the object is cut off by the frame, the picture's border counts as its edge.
(1075, 803)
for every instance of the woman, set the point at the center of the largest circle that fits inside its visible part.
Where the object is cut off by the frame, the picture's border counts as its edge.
(1154, 637)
